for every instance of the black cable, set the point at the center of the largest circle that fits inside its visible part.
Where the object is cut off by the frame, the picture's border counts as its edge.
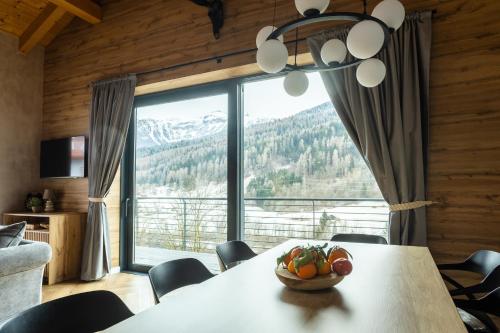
(296, 44)
(275, 11)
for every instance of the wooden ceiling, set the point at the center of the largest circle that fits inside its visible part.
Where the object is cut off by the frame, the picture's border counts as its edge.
(39, 21)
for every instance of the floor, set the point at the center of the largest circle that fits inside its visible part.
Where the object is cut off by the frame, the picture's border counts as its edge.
(133, 289)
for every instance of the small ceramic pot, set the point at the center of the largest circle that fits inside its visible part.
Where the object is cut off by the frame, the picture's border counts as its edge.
(36, 209)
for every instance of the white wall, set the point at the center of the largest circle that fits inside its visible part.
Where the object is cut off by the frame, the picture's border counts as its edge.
(21, 102)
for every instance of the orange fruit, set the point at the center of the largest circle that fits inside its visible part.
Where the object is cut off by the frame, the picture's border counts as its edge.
(295, 252)
(337, 254)
(307, 271)
(291, 267)
(287, 260)
(323, 267)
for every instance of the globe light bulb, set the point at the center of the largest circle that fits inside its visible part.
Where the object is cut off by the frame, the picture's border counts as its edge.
(264, 33)
(333, 51)
(391, 12)
(371, 73)
(272, 56)
(365, 39)
(311, 7)
(296, 83)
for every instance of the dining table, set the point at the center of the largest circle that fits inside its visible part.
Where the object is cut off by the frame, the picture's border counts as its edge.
(390, 289)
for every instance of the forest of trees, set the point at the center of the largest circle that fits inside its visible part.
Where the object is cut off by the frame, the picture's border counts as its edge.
(305, 155)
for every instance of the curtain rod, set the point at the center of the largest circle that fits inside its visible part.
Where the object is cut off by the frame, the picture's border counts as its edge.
(218, 58)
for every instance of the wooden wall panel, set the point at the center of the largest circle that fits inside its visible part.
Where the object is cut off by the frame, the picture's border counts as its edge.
(464, 166)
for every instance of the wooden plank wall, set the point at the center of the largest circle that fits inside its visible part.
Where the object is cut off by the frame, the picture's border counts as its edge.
(464, 169)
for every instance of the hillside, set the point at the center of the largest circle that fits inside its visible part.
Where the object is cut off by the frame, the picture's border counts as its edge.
(307, 154)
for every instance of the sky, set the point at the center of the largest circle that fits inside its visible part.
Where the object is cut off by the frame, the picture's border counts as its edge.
(265, 99)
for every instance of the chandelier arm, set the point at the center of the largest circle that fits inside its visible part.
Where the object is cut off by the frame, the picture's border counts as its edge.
(322, 68)
(340, 16)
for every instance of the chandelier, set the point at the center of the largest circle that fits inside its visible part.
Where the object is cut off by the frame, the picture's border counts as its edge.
(364, 41)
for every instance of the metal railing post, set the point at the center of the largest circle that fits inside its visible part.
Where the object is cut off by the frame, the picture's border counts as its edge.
(314, 219)
(184, 218)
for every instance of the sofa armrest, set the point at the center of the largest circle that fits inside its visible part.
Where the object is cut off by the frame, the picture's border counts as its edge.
(24, 257)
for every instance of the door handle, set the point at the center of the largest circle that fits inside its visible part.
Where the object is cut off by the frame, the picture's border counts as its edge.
(126, 206)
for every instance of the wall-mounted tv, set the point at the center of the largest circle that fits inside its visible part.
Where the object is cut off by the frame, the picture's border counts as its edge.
(64, 158)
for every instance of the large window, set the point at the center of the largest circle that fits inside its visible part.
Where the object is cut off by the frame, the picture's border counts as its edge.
(241, 160)
(303, 176)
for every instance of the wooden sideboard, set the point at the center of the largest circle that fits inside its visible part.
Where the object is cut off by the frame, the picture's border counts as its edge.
(65, 235)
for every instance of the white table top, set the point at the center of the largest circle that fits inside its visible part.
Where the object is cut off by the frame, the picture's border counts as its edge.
(391, 289)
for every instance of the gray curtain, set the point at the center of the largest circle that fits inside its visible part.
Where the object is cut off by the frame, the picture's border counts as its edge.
(110, 114)
(389, 123)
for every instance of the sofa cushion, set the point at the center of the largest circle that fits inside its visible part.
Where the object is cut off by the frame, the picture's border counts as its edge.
(11, 235)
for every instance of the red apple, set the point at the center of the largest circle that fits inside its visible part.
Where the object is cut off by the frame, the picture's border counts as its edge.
(342, 266)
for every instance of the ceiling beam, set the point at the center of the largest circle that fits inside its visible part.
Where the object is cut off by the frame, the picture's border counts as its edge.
(37, 30)
(84, 9)
(56, 29)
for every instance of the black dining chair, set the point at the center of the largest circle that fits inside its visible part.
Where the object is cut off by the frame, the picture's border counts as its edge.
(482, 262)
(175, 274)
(488, 284)
(479, 308)
(232, 252)
(80, 313)
(359, 238)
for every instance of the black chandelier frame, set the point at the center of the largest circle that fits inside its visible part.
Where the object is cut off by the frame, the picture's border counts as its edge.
(313, 17)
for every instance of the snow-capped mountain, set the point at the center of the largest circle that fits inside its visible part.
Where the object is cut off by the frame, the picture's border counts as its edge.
(154, 132)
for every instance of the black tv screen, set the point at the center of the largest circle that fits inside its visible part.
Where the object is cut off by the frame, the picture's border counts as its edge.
(64, 158)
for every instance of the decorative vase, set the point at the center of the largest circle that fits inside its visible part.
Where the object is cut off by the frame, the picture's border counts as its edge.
(49, 206)
(36, 209)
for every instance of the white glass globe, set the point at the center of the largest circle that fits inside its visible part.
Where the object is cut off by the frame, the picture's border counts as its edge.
(333, 50)
(304, 5)
(365, 39)
(272, 56)
(264, 33)
(371, 73)
(296, 83)
(391, 12)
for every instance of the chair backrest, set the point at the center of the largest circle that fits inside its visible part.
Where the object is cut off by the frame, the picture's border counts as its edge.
(233, 251)
(174, 274)
(483, 261)
(80, 313)
(488, 304)
(359, 238)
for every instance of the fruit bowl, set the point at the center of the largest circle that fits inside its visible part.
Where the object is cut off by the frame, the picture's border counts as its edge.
(313, 268)
(319, 282)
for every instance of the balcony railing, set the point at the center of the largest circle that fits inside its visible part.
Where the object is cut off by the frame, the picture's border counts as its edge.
(199, 224)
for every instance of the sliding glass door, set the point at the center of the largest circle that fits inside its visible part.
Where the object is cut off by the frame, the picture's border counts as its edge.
(241, 159)
(177, 176)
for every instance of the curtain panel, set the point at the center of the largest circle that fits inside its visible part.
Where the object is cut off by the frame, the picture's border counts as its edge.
(110, 113)
(389, 123)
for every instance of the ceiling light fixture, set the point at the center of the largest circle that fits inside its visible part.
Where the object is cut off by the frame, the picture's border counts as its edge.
(365, 40)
